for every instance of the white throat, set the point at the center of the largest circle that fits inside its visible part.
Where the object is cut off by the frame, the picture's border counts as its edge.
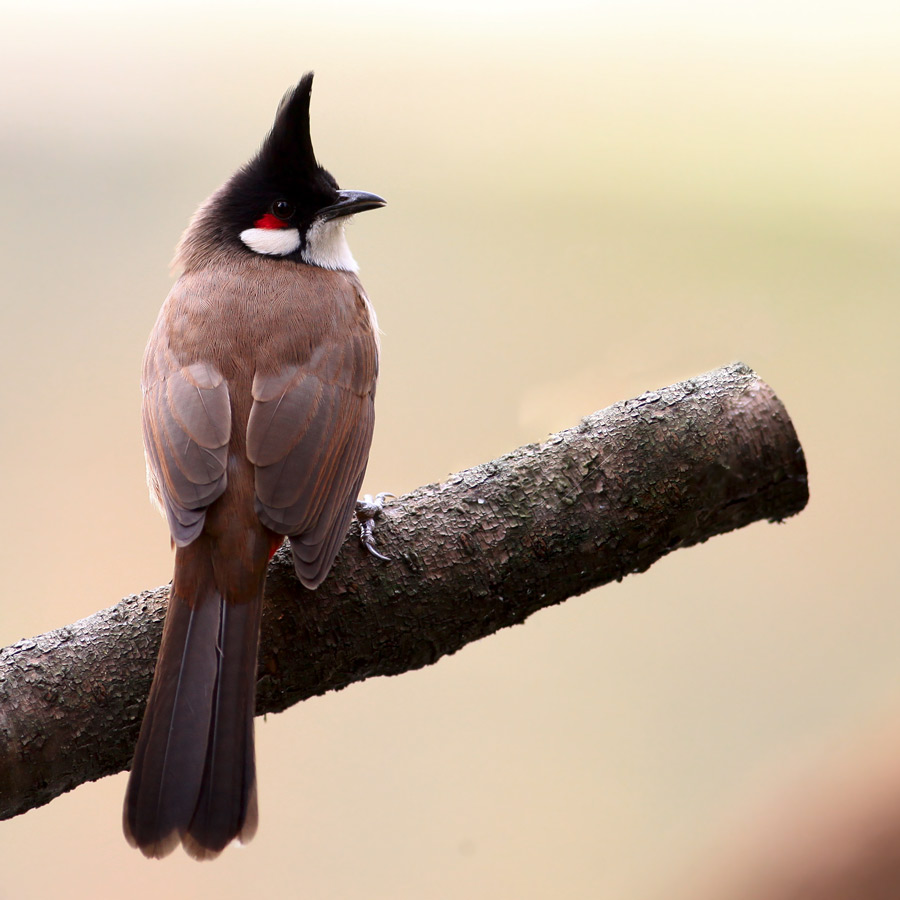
(326, 246)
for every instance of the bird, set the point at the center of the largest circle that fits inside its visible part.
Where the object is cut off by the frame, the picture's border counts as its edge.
(258, 388)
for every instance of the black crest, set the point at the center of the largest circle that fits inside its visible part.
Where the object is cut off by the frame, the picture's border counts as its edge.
(289, 143)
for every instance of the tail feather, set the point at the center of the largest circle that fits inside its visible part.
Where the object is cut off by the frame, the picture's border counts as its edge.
(226, 806)
(193, 774)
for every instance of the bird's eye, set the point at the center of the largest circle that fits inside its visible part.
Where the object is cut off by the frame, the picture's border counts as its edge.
(284, 209)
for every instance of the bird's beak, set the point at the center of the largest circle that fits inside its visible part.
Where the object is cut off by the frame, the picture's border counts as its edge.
(350, 202)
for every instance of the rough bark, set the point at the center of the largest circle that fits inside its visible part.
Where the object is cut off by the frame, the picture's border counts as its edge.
(481, 551)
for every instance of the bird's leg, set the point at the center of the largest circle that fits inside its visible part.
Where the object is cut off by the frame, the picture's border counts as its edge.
(367, 511)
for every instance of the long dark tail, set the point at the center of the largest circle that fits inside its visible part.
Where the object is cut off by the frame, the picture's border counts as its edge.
(193, 777)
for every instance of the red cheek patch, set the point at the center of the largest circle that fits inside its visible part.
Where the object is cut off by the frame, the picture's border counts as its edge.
(270, 221)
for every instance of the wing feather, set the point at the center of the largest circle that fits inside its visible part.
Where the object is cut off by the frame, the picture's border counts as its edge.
(187, 426)
(308, 435)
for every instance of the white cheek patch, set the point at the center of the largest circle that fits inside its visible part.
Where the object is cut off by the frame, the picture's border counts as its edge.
(327, 247)
(271, 241)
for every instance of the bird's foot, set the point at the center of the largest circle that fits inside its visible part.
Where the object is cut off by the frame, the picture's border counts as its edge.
(367, 511)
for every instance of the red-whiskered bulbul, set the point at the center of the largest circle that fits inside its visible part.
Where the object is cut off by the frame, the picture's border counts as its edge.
(258, 390)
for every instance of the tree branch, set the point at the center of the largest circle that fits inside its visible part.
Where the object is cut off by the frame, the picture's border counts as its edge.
(483, 550)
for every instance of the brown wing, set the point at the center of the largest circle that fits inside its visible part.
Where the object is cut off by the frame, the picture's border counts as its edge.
(308, 435)
(186, 425)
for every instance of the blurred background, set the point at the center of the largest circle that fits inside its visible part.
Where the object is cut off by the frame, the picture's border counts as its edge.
(586, 200)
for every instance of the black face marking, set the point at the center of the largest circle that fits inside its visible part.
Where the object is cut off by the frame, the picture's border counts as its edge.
(283, 178)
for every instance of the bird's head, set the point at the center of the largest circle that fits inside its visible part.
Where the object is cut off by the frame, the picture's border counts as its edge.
(282, 203)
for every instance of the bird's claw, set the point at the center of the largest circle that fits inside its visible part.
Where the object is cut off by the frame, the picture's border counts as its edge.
(367, 511)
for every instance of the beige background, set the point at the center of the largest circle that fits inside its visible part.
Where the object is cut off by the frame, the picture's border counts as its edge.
(586, 200)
